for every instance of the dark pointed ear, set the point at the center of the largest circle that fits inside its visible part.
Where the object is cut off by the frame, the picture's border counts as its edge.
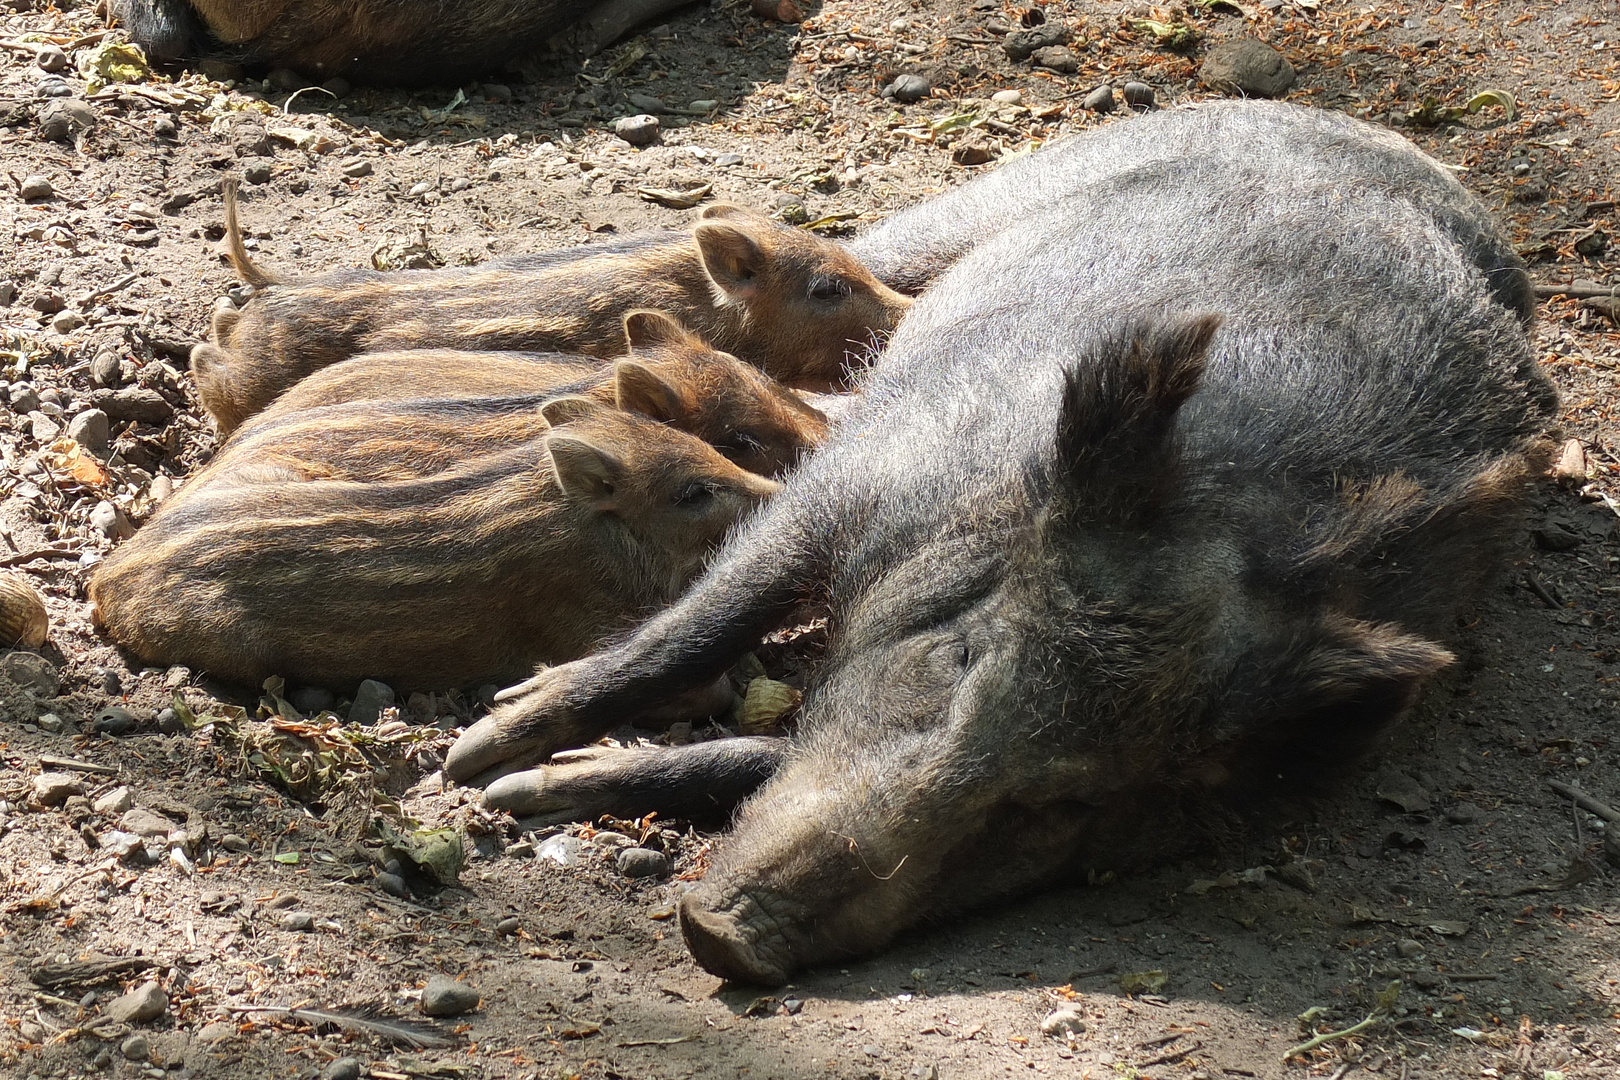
(1119, 404)
(732, 257)
(650, 329)
(1358, 660)
(562, 410)
(584, 470)
(640, 389)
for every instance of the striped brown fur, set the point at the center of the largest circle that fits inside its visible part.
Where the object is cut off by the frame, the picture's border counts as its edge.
(798, 306)
(670, 376)
(470, 572)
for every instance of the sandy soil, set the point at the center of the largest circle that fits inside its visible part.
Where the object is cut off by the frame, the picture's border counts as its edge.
(1445, 862)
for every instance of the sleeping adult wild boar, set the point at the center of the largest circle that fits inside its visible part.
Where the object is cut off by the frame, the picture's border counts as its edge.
(401, 42)
(1172, 490)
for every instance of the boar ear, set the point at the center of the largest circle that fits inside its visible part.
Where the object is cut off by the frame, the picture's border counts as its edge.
(1119, 402)
(639, 389)
(650, 329)
(732, 257)
(724, 210)
(562, 410)
(584, 470)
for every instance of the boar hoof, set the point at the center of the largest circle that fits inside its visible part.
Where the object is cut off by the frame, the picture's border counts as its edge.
(551, 790)
(732, 947)
(492, 748)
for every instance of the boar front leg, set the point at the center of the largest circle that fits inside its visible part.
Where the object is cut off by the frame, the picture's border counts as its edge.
(754, 583)
(702, 783)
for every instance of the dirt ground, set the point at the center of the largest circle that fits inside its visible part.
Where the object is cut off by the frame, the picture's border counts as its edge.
(231, 858)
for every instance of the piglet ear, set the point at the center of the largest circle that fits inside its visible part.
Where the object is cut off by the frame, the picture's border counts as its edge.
(651, 329)
(718, 210)
(563, 410)
(733, 257)
(1119, 405)
(585, 471)
(639, 388)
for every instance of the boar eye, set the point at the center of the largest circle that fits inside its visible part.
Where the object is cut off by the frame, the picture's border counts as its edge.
(740, 442)
(828, 289)
(693, 495)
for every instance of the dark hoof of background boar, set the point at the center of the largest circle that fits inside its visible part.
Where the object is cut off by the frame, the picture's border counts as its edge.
(724, 945)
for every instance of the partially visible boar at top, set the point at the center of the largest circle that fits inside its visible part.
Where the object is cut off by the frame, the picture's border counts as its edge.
(334, 553)
(668, 375)
(798, 306)
(912, 248)
(1173, 490)
(396, 42)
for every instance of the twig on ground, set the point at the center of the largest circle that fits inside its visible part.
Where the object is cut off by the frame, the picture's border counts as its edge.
(1385, 1005)
(1577, 290)
(1584, 801)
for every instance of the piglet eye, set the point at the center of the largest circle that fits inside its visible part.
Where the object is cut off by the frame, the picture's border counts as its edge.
(828, 289)
(694, 495)
(740, 442)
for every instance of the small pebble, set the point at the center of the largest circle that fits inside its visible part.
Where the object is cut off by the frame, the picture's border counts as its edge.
(169, 722)
(8, 293)
(166, 127)
(507, 927)
(36, 187)
(337, 86)
(642, 862)
(215, 1031)
(444, 996)
(344, 1068)
(32, 672)
(1061, 1022)
(498, 91)
(1056, 58)
(257, 173)
(143, 822)
(91, 430)
(66, 321)
(135, 1048)
(146, 1002)
(560, 849)
(114, 720)
(1463, 813)
(62, 118)
(1101, 100)
(286, 79)
(55, 788)
(909, 88)
(234, 842)
(298, 921)
(357, 168)
(43, 428)
(1139, 95)
(639, 130)
(106, 370)
(52, 723)
(370, 699)
(110, 521)
(1008, 97)
(725, 161)
(460, 183)
(51, 58)
(419, 189)
(1409, 947)
(24, 398)
(647, 103)
(393, 885)
(115, 801)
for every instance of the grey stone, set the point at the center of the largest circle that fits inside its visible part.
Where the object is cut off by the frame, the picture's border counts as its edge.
(1138, 95)
(507, 926)
(393, 885)
(60, 119)
(337, 86)
(8, 293)
(51, 58)
(639, 130)
(1101, 100)
(1022, 45)
(216, 1031)
(1464, 813)
(301, 922)
(420, 189)
(169, 722)
(908, 88)
(67, 321)
(135, 1048)
(43, 428)
(166, 127)
(1056, 58)
(642, 862)
(1409, 947)
(1063, 1022)
(36, 187)
(444, 996)
(344, 1068)
(1244, 66)
(647, 103)
(1396, 787)
(560, 849)
(106, 370)
(115, 801)
(144, 822)
(370, 699)
(258, 173)
(109, 521)
(91, 429)
(357, 168)
(32, 672)
(134, 403)
(499, 91)
(24, 398)
(460, 183)
(55, 788)
(145, 1002)
(286, 79)
(1008, 97)
(116, 721)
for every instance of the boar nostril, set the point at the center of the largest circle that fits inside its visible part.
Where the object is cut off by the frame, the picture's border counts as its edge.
(721, 944)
